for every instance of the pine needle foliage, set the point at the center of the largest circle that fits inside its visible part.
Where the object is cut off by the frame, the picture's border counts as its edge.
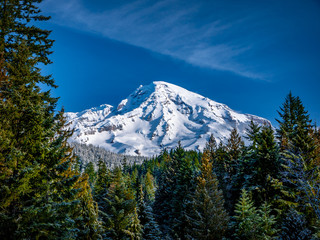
(40, 188)
(209, 218)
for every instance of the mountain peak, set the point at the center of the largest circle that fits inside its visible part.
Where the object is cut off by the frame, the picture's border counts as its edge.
(155, 116)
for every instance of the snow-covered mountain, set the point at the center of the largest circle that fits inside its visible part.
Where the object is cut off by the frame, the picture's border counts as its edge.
(157, 116)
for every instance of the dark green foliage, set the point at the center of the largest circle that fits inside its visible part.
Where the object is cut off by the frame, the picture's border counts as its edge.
(246, 218)
(253, 223)
(230, 157)
(151, 229)
(41, 190)
(120, 218)
(300, 153)
(89, 169)
(149, 225)
(173, 196)
(294, 227)
(253, 134)
(211, 147)
(264, 163)
(208, 217)
(295, 128)
(44, 194)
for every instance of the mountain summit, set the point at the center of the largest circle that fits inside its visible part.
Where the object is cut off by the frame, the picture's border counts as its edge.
(157, 116)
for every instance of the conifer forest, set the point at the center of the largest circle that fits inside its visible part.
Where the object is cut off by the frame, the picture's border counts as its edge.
(268, 188)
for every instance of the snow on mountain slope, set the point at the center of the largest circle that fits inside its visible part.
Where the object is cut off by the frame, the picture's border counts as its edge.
(157, 116)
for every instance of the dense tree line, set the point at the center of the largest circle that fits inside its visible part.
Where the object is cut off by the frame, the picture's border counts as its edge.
(89, 154)
(267, 189)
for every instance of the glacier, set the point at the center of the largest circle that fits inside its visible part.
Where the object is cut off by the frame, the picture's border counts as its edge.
(155, 117)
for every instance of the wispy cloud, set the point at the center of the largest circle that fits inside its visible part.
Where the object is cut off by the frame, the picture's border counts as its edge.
(168, 27)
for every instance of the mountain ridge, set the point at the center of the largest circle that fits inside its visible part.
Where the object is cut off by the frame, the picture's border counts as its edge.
(157, 116)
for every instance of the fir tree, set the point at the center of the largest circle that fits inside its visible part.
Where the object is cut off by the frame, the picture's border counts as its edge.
(150, 228)
(40, 187)
(264, 165)
(231, 180)
(134, 230)
(209, 218)
(295, 129)
(89, 169)
(253, 223)
(173, 196)
(247, 218)
(211, 147)
(149, 184)
(253, 131)
(294, 227)
(120, 217)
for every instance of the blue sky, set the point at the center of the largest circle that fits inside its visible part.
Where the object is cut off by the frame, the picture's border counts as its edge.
(246, 54)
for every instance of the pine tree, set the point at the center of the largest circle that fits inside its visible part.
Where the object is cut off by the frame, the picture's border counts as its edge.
(299, 154)
(89, 227)
(103, 179)
(268, 223)
(163, 196)
(234, 146)
(120, 217)
(295, 129)
(173, 196)
(134, 230)
(182, 193)
(149, 186)
(231, 180)
(253, 223)
(150, 228)
(211, 147)
(89, 169)
(265, 166)
(40, 188)
(209, 218)
(247, 218)
(253, 134)
(294, 227)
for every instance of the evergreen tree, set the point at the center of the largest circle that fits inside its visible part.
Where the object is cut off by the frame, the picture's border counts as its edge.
(184, 186)
(163, 196)
(103, 178)
(150, 228)
(294, 227)
(100, 190)
(268, 223)
(253, 134)
(211, 147)
(295, 129)
(247, 218)
(209, 218)
(120, 218)
(89, 169)
(299, 154)
(173, 196)
(149, 184)
(88, 224)
(232, 181)
(253, 223)
(234, 148)
(303, 184)
(40, 187)
(265, 166)
(134, 230)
